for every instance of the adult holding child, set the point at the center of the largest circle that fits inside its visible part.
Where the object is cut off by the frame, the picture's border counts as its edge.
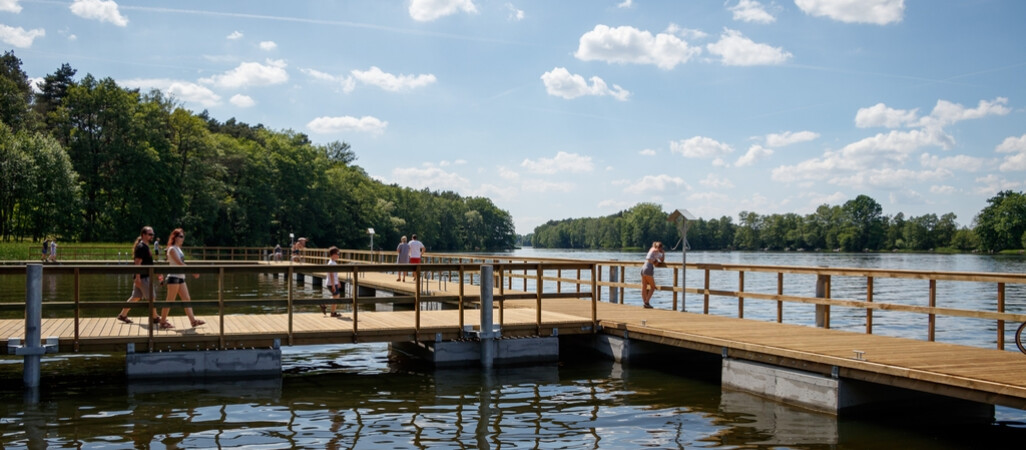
(176, 286)
(655, 257)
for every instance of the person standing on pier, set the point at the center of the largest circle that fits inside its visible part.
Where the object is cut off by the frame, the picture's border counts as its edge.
(297, 249)
(141, 285)
(654, 257)
(176, 281)
(334, 285)
(53, 250)
(416, 251)
(404, 257)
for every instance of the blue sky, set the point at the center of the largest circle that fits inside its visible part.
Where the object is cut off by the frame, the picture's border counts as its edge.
(560, 109)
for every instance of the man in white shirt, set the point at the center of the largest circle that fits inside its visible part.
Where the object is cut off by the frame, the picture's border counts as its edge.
(416, 251)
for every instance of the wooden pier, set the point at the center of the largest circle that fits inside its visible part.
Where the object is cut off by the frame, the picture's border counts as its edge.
(991, 376)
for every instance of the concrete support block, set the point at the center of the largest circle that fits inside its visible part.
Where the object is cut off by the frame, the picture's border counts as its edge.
(468, 353)
(841, 396)
(204, 364)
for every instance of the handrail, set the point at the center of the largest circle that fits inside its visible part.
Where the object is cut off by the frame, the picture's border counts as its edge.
(868, 303)
(508, 269)
(291, 303)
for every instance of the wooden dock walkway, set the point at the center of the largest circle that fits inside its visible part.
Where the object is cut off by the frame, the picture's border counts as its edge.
(972, 373)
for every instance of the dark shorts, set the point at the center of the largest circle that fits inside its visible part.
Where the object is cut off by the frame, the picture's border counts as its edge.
(174, 280)
(336, 289)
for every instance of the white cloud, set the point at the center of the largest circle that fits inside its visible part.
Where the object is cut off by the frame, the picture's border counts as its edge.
(958, 162)
(786, 138)
(631, 45)
(700, 147)
(943, 189)
(889, 178)
(563, 162)
(514, 13)
(183, 90)
(755, 153)
(508, 174)
(10, 6)
(347, 83)
(561, 83)
(879, 12)
(35, 83)
(715, 182)
(880, 115)
(19, 37)
(647, 152)
(392, 83)
(1017, 147)
(242, 101)
(268, 46)
(946, 113)
(751, 11)
(543, 186)
(992, 184)
(656, 183)
(737, 50)
(249, 74)
(429, 10)
(686, 33)
(102, 10)
(430, 177)
(235, 35)
(365, 124)
(625, 4)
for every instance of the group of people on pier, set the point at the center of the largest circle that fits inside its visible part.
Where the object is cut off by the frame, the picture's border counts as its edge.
(407, 253)
(176, 286)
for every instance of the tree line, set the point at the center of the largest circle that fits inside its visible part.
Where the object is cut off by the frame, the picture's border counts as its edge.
(88, 160)
(857, 225)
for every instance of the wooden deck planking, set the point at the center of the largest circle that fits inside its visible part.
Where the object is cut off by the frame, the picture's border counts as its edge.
(955, 365)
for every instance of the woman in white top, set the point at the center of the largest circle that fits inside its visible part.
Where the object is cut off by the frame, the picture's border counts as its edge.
(176, 281)
(334, 285)
(654, 258)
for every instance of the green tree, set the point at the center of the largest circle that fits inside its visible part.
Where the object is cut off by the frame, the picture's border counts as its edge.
(15, 175)
(1001, 224)
(864, 227)
(52, 92)
(15, 93)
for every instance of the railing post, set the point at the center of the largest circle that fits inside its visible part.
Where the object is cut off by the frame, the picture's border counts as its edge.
(220, 308)
(487, 336)
(705, 296)
(823, 291)
(869, 299)
(930, 333)
(1001, 323)
(675, 281)
(539, 287)
(741, 297)
(780, 291)
(614, 277)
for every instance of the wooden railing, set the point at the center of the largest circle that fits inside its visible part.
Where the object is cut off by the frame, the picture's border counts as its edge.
(611, 277)
(821, 282)
(349, 273)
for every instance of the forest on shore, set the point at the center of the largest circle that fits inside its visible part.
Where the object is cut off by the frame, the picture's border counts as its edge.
(87, 160)
(857, 225)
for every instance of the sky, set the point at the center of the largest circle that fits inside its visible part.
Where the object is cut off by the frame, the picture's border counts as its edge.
(584, 108)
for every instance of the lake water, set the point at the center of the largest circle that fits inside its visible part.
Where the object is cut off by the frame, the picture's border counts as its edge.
(352, 396)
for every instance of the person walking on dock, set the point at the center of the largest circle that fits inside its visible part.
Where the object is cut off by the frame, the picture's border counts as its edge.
(53, 250)
(416, 251)
(297, 249)
(404, 257)
(334, 286)
(141, 286)
(654, 257)
(176, 281)
(46, 250)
